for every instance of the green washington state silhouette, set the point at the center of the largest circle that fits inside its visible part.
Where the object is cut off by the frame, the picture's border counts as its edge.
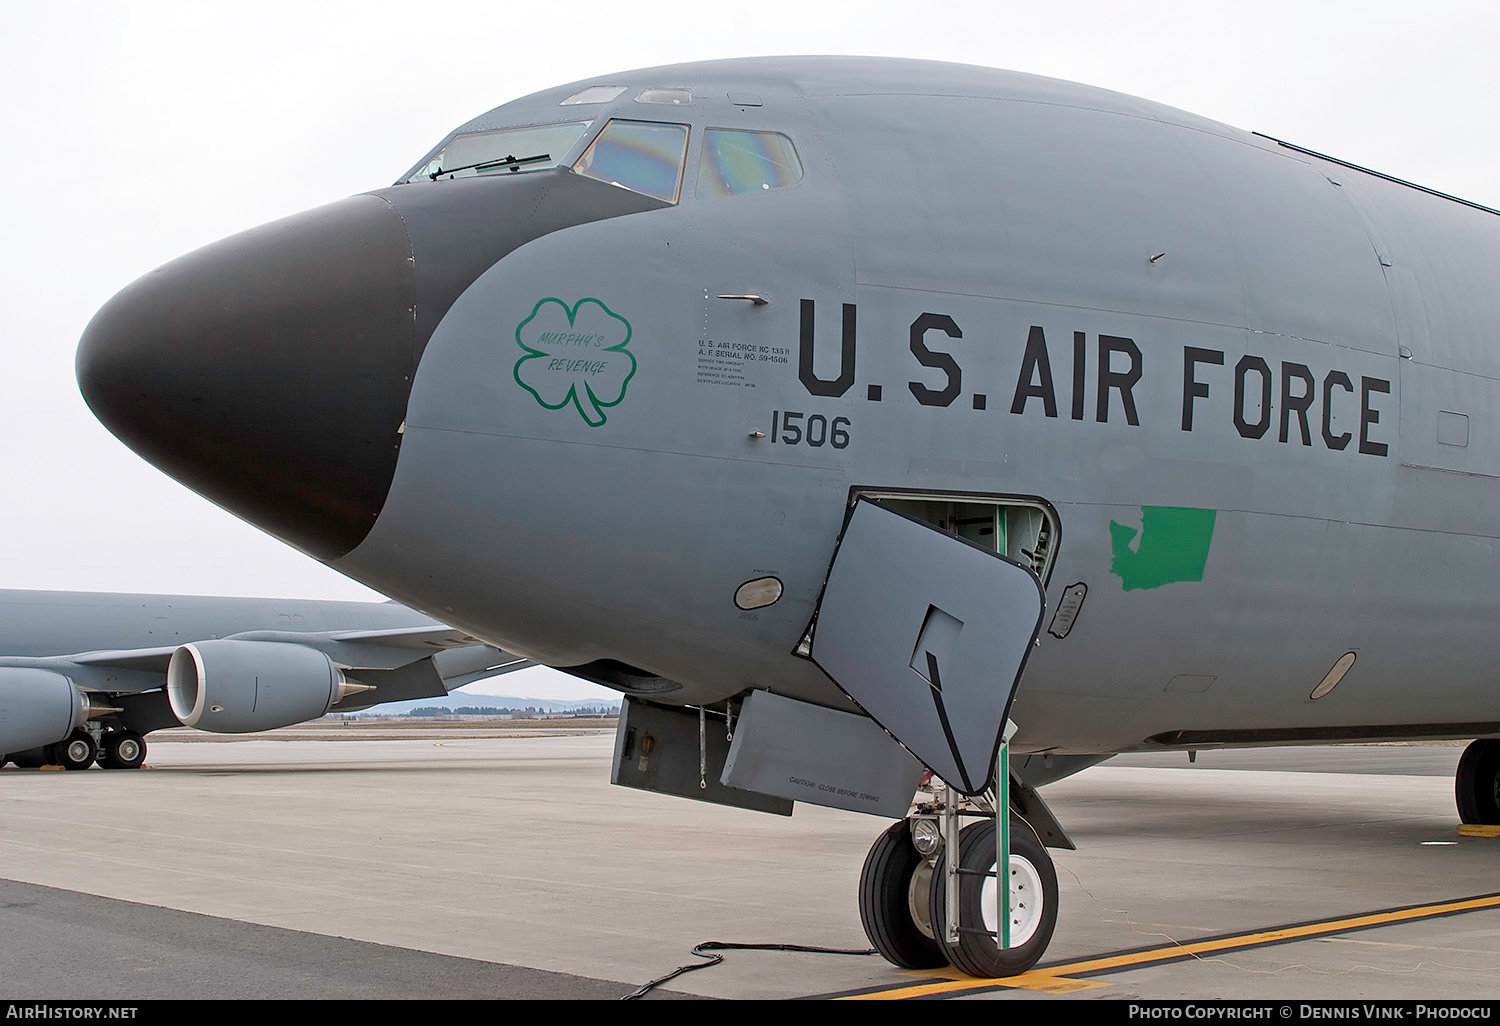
(1173, 546)
(575, 355)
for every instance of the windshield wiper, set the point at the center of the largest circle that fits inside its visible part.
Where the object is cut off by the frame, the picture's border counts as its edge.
(512, 162)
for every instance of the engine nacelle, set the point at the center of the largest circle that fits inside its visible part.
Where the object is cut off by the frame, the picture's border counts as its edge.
(37, 707)
(233, 687)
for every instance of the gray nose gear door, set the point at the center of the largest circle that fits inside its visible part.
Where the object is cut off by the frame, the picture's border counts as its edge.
(929, 634)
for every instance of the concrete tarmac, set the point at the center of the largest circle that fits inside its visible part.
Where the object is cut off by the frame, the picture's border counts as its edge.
(144, 952)
(482, 867)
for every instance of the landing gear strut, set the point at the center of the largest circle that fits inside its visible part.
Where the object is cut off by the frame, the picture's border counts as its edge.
(1476, 786)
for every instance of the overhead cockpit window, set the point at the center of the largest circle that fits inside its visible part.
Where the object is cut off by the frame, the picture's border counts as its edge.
(736, 161)
(504, 152)
(643, 156)
(593, 94)
(664, 96)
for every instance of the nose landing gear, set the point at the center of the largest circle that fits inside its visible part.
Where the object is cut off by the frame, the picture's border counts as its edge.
(1032, 902)
(908, 888)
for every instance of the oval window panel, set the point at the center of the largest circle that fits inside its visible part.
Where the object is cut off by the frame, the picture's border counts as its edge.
(1335, 675)
(762, 591)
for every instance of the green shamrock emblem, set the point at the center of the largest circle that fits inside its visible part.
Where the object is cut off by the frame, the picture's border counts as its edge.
(575, 355)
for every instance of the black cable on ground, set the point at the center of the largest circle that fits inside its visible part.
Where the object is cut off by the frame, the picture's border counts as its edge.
(702, 951)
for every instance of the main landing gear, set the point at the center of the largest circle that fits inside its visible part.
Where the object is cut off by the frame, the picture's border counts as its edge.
(74, 752)
(114, 749)
(122, 749)
(907, 889)
(1476, 786)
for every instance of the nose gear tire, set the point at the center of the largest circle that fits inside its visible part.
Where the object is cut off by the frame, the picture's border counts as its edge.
(885, 902)
(1032, 879)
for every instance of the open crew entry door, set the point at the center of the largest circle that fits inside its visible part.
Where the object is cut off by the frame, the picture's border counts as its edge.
(929, 634)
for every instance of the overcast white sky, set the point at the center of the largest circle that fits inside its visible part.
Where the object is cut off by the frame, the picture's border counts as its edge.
(132, 133)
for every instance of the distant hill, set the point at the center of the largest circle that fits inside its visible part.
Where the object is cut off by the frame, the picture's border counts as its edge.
(459, 699)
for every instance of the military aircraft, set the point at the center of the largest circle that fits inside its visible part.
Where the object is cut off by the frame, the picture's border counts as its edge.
(85, 676)
(877, 409)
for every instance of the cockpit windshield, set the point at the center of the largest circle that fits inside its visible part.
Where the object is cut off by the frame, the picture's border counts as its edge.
(642, 156)
(507, 151)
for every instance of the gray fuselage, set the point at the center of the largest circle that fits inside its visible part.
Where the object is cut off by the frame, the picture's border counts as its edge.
(1048, 291)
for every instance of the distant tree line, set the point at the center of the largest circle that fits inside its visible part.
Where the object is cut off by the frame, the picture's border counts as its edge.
(490, 710)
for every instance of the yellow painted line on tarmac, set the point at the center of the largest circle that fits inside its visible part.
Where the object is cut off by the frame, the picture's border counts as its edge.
(1043, 979)
(1035, 981)
(1477, 830)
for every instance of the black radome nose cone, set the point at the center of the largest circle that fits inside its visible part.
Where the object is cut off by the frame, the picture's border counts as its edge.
(269, 372)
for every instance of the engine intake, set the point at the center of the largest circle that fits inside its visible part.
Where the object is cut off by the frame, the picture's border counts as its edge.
(234, 687)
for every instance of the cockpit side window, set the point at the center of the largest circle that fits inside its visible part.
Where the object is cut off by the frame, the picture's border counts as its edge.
(643, 156)
(736, 161)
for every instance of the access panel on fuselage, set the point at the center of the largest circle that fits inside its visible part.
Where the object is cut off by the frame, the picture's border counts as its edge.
(929, 634)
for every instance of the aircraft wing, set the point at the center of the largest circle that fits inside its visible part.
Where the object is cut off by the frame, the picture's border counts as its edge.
(425, 662)
(150, 660)
(247, 680)
(416, 639)
(383, 649)
(460, 666)
(431, 675)
(372, 650)
(435, 637)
